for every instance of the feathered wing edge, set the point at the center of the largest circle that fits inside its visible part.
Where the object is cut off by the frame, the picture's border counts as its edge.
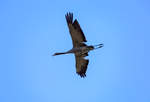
(76, 25)
(75, 29)
(81, 63)
(69, 18)
(81, 66)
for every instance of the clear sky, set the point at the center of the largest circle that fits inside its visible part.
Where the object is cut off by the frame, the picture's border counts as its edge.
(32, 30)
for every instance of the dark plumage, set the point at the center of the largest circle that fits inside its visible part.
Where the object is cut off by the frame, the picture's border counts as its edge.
(80, 49)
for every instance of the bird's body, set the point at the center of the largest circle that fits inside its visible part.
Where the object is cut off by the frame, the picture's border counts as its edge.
(80, 49)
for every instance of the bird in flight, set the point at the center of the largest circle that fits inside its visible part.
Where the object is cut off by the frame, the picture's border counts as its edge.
(80, 49)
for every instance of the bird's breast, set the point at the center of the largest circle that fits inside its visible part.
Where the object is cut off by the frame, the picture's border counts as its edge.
(80, 50)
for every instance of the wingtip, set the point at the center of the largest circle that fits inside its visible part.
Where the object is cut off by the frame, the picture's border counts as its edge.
(69, 14)
(69, 17)
(82, 75)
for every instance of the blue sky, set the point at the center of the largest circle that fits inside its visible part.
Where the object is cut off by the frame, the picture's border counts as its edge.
(32, 30)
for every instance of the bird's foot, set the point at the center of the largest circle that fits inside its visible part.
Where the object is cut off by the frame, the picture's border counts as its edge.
(98, 46)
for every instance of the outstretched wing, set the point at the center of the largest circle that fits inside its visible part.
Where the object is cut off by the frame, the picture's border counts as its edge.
(81, 65)
(75, 30)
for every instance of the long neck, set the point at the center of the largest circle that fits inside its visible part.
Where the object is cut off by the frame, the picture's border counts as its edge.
(61, 53)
